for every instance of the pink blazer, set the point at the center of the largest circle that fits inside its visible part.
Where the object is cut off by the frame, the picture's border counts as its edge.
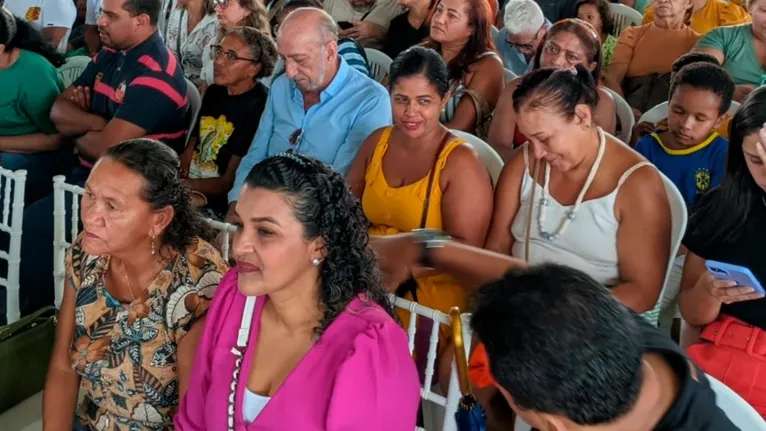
(358, 376)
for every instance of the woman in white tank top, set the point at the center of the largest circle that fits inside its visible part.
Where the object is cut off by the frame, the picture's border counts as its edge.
(595, 204)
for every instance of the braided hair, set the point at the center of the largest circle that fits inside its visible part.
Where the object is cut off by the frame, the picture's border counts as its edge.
(323, 204)
(159, 165)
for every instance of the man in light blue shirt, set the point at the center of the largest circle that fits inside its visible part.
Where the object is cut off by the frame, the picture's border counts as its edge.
(524, 31)
(320, 106)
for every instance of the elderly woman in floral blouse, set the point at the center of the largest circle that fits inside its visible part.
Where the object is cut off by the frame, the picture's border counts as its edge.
(139, 281)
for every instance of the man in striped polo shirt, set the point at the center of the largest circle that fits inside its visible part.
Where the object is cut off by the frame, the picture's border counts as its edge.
(134, 87)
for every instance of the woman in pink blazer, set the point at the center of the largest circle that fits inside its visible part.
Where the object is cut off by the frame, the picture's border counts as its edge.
(300, 335)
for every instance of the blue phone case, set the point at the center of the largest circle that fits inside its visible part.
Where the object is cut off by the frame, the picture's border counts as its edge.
(741, 275)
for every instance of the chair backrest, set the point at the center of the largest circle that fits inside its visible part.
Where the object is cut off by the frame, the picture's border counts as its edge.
(625, 114)
(487, 154)
(380, 64)
(195, 103)
(678, 218)
(623, 16)
(72, 69)
(739, 412)
(12, 216)
(660, 112)
(61, 244)
(431, 399)
(509, 75)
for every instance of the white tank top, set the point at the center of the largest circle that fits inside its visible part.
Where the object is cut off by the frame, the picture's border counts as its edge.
(590, 242)
(253, 405)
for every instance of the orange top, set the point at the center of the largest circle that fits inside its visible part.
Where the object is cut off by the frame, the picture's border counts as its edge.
(650, 49)
(478, 367)
(716, 13)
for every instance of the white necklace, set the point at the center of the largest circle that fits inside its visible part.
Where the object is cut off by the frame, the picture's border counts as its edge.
(571, 214)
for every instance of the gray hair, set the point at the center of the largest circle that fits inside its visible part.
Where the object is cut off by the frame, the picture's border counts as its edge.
(523, 17)
(328, 29)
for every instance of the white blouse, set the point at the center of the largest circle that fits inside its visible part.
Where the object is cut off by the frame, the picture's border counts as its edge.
(189, 47)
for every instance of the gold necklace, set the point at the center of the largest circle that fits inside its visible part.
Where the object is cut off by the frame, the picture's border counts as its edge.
(130, 285)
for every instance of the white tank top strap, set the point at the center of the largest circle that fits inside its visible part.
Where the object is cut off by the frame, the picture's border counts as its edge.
(526, 156)
(630, 171)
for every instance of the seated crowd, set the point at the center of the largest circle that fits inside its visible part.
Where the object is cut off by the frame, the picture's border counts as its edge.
(346, 188)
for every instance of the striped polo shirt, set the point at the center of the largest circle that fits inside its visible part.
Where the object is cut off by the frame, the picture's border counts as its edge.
(144, 86)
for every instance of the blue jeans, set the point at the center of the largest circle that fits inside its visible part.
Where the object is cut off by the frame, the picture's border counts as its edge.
(36, 272)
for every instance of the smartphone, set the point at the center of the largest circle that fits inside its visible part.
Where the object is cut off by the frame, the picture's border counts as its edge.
(345, 25)
(739, 274)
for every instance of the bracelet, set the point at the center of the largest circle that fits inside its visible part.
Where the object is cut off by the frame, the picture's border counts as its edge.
(429, 239)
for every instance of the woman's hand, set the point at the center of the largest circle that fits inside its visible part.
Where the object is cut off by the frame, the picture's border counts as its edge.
(362, 30)
(397, 255)
(726, 291)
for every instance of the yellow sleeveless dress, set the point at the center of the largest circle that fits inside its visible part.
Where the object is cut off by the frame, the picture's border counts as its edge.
(393, 210)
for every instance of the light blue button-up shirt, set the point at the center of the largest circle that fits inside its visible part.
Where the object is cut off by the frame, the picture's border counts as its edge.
(349, 110)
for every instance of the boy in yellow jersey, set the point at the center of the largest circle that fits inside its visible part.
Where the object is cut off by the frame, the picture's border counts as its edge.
(690, 152)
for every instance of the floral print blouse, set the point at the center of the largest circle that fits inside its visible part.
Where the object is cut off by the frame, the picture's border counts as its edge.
(126, 354)
(191, 44)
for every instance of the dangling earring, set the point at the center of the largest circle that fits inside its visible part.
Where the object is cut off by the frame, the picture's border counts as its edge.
(154, 250)
(315, 261)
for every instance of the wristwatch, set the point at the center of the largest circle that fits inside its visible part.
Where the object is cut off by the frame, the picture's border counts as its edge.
(429, 239)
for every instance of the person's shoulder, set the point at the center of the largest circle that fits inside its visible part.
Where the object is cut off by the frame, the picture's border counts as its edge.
(647, 144)
(357, 81)
(33, 62)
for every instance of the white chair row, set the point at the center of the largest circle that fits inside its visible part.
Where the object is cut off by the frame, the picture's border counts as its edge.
(60, 242)
(623, 16)
(72, 68)
(11, 224)
(379, 62)
(438, 410)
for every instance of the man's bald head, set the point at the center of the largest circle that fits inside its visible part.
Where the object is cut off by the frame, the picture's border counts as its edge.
(319, 23)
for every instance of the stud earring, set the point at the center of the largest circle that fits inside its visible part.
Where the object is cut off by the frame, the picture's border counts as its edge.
(586, 127)
(154, 250)
(315, 261)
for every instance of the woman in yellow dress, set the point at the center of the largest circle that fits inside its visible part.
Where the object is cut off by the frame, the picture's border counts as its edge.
(416, 174)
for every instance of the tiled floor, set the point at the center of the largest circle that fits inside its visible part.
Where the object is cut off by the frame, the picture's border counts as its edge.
(26, 416)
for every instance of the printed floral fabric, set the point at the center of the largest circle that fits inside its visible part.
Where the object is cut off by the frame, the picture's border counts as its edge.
(192, 43)
(126, 354)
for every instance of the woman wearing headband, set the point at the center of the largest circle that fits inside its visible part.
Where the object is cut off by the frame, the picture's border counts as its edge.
(301, 335)
(30, 84)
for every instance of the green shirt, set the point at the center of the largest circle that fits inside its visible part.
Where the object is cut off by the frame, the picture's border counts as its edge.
(30, 86)
(736, 43)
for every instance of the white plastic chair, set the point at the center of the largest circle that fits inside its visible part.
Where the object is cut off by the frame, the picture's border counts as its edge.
(625, 114)
(60, 243)
(739, 412)
(434, 402)
(72, 69)
(678, 218)
(12, 217)
(509, 75)
(487, 154)
(195, 103)
(623, 16)
(380, 63)
(660, 112)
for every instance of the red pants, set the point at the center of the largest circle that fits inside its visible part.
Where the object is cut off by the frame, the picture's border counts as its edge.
(734, 353)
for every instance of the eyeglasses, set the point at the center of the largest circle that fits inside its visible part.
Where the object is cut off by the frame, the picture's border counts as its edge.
(228, 56)
(526, 47)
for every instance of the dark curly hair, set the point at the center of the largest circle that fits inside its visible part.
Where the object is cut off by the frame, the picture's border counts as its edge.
(158, 164)
(15, 33)
(325, 207)
(607, 23)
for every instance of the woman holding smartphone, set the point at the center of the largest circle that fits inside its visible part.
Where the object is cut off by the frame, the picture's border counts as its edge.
(729, 225)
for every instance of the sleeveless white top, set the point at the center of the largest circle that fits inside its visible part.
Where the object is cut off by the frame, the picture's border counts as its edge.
(590, 242)
(253, 405)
